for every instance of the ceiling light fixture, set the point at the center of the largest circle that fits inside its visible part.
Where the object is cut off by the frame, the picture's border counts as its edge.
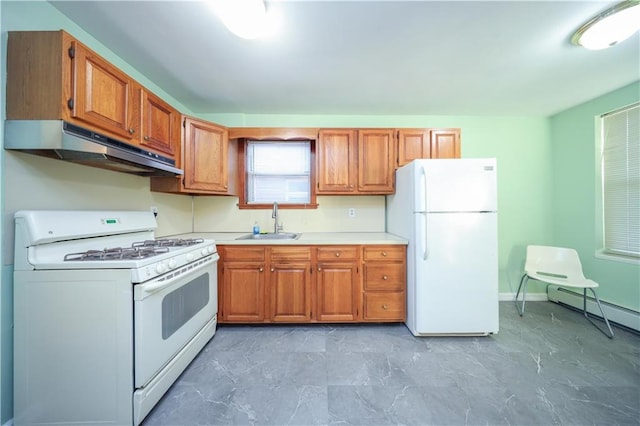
(610, 27)
(245, 18)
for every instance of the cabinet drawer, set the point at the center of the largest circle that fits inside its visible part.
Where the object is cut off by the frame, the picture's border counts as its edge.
(384, 306)
(384, 253)
(385, 276)
(290, 253)
(337, 253)
(235, 254)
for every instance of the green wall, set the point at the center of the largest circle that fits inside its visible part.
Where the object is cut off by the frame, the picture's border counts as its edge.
(574, 155)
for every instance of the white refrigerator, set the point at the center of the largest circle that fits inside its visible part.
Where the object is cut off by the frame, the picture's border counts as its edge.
(447, 210)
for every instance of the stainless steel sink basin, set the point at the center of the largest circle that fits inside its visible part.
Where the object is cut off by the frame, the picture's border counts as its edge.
(271, 236)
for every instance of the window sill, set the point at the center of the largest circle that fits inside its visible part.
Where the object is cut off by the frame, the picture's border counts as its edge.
(310, 206)
(601, 254)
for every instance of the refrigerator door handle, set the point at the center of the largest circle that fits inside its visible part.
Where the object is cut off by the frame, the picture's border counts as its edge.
(423, 246)
(423, 202)
(425, 208)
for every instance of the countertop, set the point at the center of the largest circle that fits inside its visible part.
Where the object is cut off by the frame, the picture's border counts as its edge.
(306, 238)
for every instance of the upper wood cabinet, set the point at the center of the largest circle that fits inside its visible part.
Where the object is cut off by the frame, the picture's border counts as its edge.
(160, 125)
(208, 159)
(52, 76)
(376, 161)
(427, 143)
(351, 161)
(336, 159)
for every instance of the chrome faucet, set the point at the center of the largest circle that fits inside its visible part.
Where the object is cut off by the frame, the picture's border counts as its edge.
(274, 215)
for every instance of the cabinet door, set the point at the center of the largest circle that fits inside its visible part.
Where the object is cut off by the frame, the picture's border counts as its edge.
(445, 143)
(413, 144)
(336, 161)
(104, 95)
(205, 156)
(376, 161)
(243, 285)
(290, 291)
(160, 125)
(336, 292)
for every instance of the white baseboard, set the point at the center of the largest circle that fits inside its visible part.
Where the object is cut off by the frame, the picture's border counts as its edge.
(531, 297)
(615, 313)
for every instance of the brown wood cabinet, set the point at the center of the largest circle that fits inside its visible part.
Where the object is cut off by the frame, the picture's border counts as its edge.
(290, 285)
(353, 161)
(52, 76)
(376, 161)
(384, 282)
(312, 284)
(337, 284)
(208, 159)
(336, 159)
(427, 143)
(241, 279)
(160, 125)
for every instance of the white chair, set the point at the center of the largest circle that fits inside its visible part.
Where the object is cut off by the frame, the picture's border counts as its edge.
(562, 267)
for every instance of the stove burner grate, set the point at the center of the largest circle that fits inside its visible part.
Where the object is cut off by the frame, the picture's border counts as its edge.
(117, 253)
(169, 242)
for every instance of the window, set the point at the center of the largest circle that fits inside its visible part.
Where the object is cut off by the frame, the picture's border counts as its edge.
(278, 171)
(620, 171)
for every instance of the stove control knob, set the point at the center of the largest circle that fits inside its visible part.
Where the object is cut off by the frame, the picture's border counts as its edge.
(189, 257)
(211, 249)
(160, 268)
(204, 251)
(172, 263)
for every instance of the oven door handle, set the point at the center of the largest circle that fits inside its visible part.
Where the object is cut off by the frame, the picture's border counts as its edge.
(153, 287)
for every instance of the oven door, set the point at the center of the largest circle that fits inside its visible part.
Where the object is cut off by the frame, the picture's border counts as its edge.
(169, 311)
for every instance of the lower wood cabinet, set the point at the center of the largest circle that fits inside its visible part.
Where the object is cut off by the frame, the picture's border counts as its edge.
(290, 287)
(301, 284)
(337, 283)
(241, 286)
(384, 283)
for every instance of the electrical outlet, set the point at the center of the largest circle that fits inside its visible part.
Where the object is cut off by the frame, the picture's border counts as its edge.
(154, 210)
(352, 212)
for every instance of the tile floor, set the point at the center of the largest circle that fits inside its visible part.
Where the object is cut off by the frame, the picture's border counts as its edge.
(550, 367)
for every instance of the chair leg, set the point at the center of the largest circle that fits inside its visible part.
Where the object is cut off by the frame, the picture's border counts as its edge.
(604, 317)
(523, 285)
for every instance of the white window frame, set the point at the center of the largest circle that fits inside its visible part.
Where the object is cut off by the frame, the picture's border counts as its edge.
(249, 172)
(602, 251)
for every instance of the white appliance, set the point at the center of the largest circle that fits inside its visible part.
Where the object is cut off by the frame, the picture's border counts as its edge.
(106, 317)
(447, 209)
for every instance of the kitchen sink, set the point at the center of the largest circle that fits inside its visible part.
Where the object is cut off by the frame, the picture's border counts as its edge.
(271, 236)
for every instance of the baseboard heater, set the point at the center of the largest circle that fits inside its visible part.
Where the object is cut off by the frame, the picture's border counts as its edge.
(615, 313)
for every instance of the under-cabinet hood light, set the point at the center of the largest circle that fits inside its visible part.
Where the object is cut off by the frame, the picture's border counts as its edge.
(247, 19)
(610, 27)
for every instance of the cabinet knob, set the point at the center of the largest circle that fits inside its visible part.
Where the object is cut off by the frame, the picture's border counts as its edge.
(146, 138)
(384, 253)
(272, 269)
(226, 186)
(384, 277)
(319, 269)
(131, 130)
(337, 254)
(385, 307)
(261, 269)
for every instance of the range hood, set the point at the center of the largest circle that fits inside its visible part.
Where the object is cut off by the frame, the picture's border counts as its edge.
(65, 141)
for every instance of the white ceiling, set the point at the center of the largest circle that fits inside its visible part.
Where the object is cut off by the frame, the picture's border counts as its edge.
(367, 57)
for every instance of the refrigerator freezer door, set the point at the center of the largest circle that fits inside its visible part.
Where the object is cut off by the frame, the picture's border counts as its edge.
(456, 287)
(463, 185)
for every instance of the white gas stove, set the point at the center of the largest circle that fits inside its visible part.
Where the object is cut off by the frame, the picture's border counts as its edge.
(106, 315)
